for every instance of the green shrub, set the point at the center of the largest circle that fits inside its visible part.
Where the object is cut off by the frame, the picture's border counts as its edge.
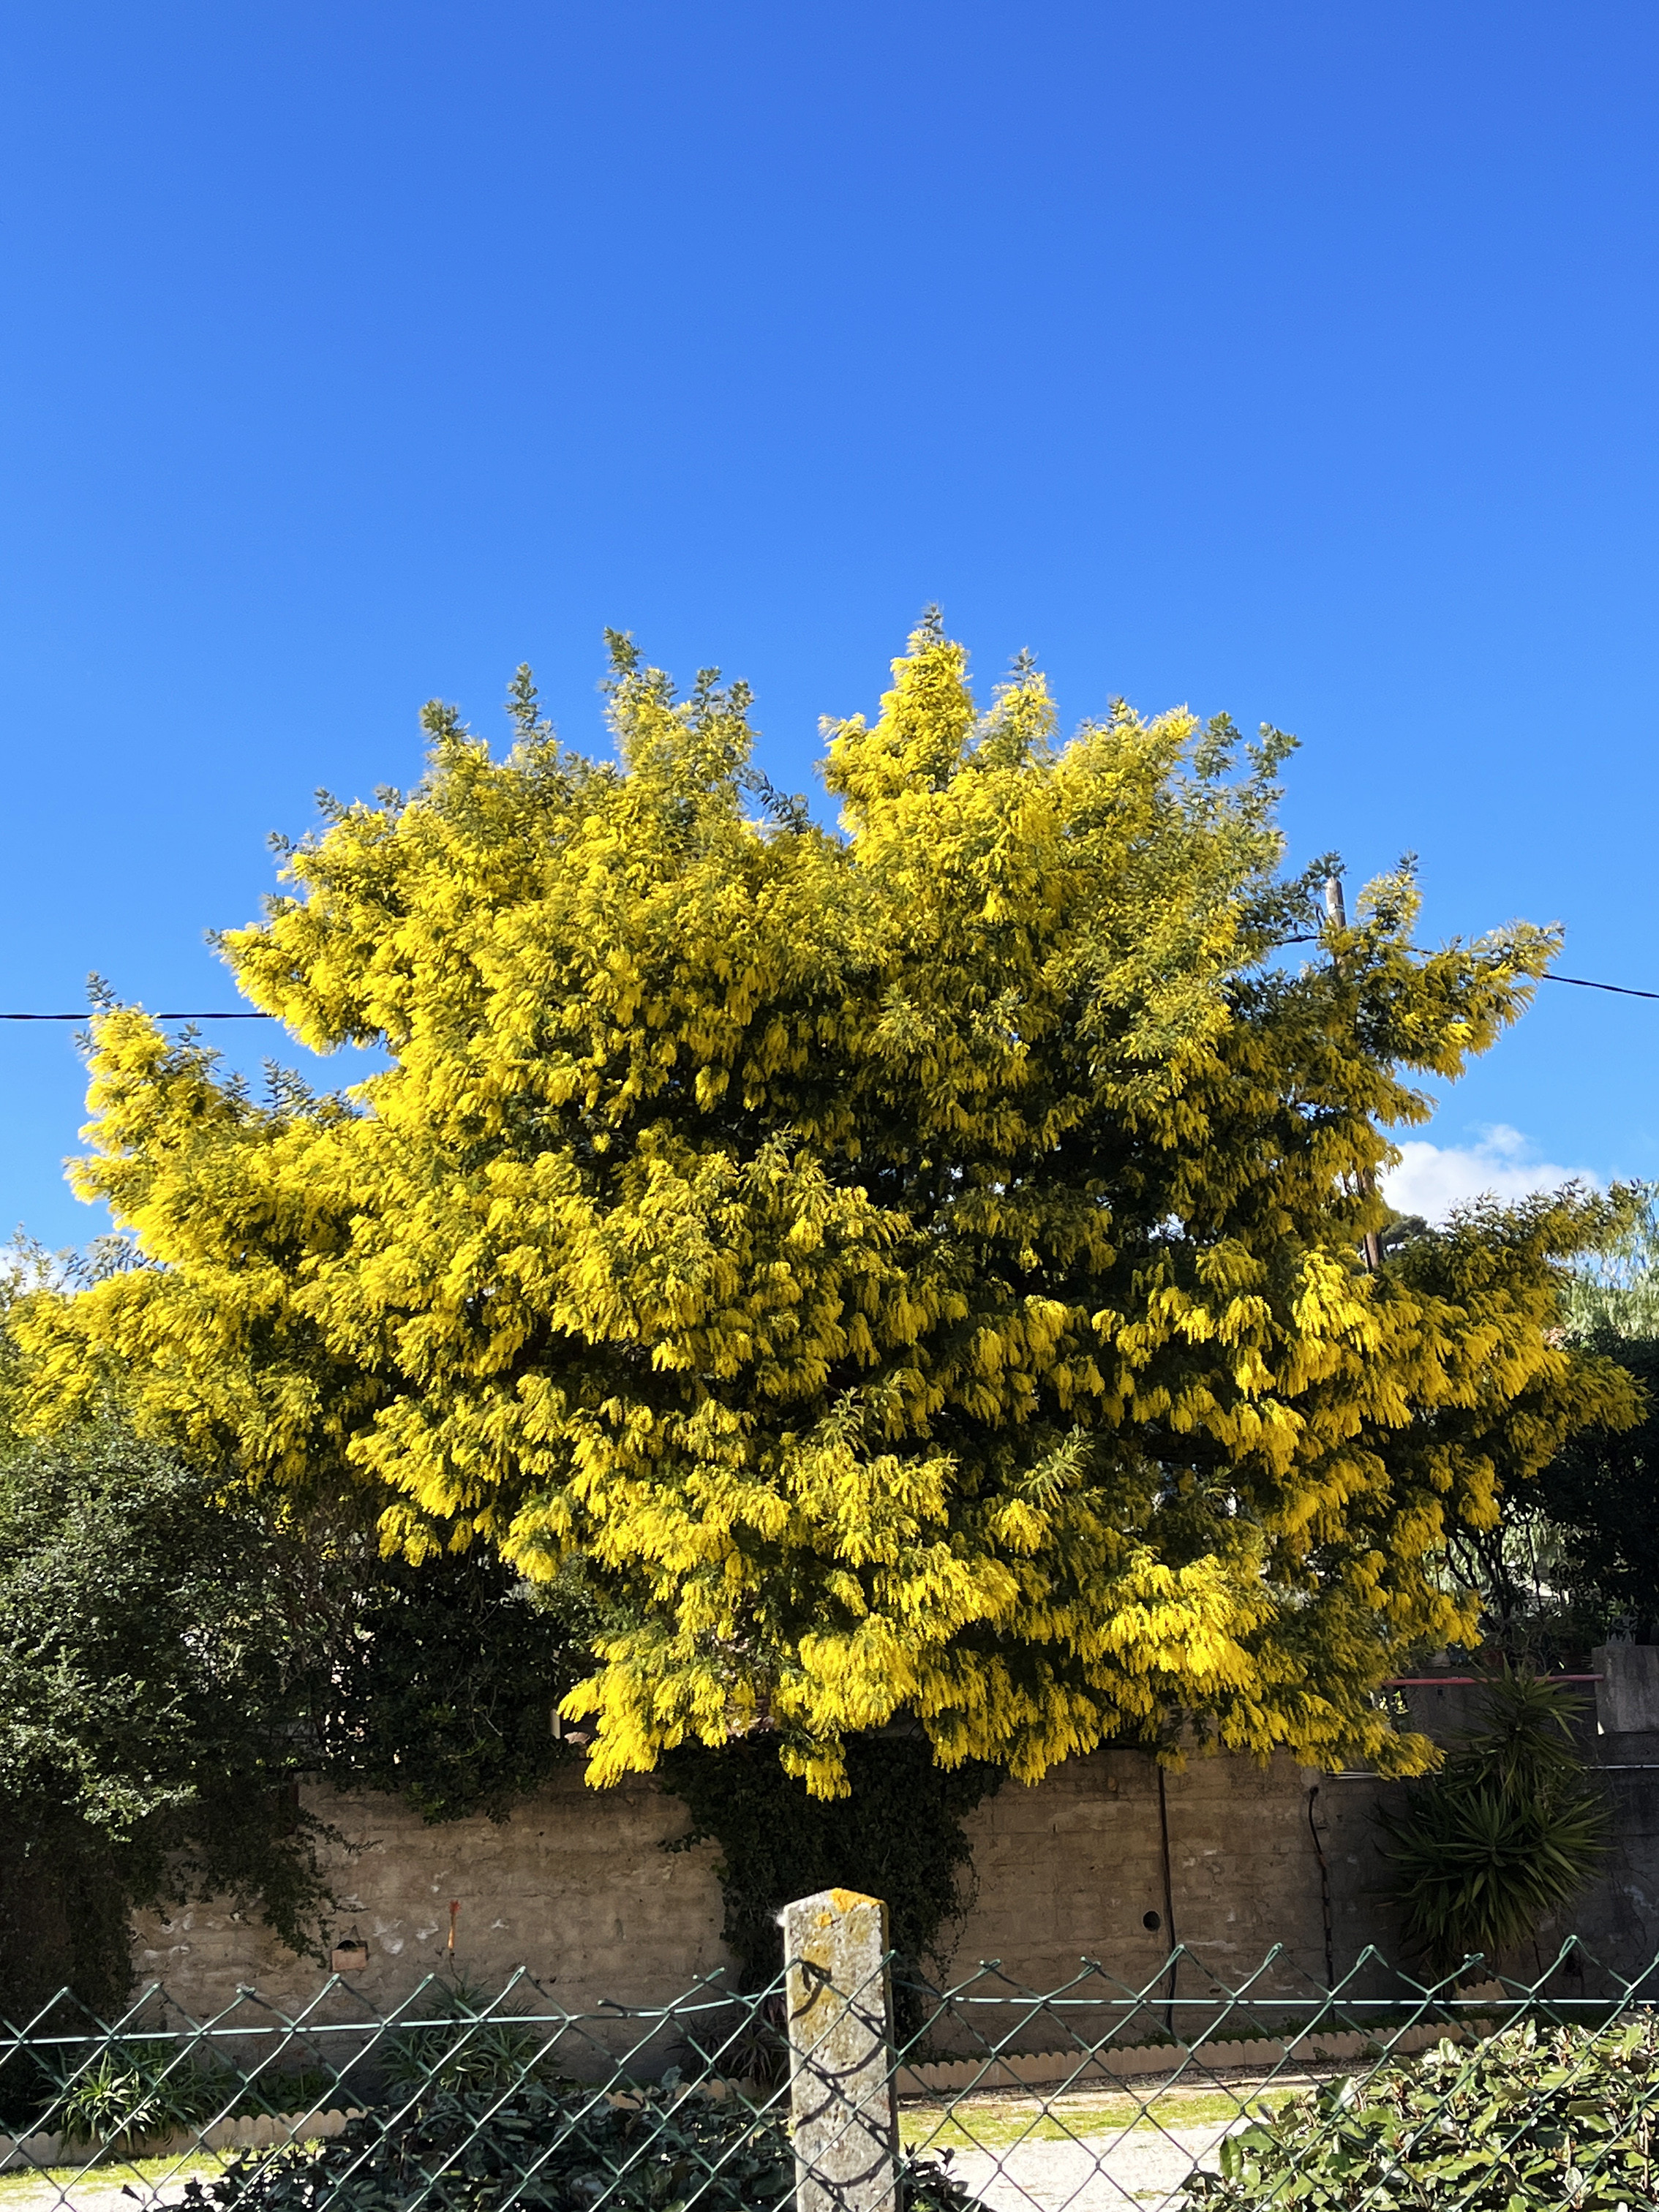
(468, 2047)
(470, 2152)
(144, 2087)
(1511, 1828)
(1533, 2117)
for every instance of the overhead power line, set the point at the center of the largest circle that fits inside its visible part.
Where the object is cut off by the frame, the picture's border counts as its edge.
(1579, 982)
(1624, 990)
(87, 1014)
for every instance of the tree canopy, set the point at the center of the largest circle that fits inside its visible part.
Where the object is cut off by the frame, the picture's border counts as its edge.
(147, 1749)
(175, 1657)
(1596, 1497)
(909, 1268)
(1573, 1558)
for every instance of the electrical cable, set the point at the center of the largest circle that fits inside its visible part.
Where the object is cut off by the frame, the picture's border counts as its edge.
(91, 1010)
(1624, 990)
(1580, 983)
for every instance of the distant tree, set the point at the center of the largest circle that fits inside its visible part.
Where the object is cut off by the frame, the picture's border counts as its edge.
(1600, 1497)
(147, 1677)
(175, 1658)
(910, 1270)
(1572, 1554)
(1615, 1291)
(1515, 1561)
(1598, 1494)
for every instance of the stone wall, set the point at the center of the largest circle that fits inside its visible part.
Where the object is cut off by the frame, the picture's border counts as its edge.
(1074, 1867)
(575, 1888)
(572, 1887)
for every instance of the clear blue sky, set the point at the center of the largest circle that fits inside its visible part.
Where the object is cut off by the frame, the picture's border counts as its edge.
(1294, 360)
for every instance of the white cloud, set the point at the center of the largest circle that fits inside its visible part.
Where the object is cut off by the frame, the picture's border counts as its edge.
(1432, 1179)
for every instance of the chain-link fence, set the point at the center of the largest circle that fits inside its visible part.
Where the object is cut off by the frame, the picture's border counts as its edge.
(852, 2086)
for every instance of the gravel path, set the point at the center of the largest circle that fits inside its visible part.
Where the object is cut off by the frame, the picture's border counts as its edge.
(1136, 2170)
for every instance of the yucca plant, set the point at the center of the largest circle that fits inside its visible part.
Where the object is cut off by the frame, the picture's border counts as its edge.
(1511, 1828)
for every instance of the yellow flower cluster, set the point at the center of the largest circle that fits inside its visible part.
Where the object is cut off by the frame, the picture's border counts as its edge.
(915, 1269)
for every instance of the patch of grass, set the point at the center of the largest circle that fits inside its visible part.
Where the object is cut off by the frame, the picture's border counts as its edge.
(997, 2122)
(45, 2183)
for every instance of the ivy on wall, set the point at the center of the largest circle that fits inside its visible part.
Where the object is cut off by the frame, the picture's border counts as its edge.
(898, 1836)
(176, 1658)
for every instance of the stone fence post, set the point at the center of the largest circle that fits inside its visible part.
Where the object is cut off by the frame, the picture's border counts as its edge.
(841, 2053)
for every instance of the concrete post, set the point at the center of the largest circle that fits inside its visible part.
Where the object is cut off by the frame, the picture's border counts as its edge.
(1627, 1695)
(841, 2070)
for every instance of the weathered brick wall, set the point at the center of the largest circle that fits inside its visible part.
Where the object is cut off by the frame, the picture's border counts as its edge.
(1073, 1868)
(573, 1888)
(576, 1888)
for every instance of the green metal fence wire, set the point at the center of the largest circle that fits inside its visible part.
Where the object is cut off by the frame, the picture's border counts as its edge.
(1381, 2091)
(1206, 2089)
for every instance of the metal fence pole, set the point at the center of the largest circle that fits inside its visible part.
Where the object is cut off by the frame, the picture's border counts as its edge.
(840, 2034)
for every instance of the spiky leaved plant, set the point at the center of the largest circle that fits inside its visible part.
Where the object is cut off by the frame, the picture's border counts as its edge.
(1512, 1827)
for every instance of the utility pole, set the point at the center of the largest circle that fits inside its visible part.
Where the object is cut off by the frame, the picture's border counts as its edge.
(1336, 913)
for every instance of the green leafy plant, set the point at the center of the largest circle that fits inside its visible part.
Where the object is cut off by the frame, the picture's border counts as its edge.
(897, 1835)
(307, 2090)
(470, 2045)
(141, 2087)
(1534, 2118)
(658, 2147)
(1511, 1828)
(148, 1689)
(144, 2087)
(174, 1659)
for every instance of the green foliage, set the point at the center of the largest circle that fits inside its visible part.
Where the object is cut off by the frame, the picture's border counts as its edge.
(1598, 1497)
(472, 2045)
(147, 1663)
(174, 1658)
(1617, 1293)
(1534, 2119)
(139, 2088)
(1595, 1496)
(1511, 1828)
(549, 2150)
(1573, 1556)
(897, 1835)
(142, 2087)
(438, 1683)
